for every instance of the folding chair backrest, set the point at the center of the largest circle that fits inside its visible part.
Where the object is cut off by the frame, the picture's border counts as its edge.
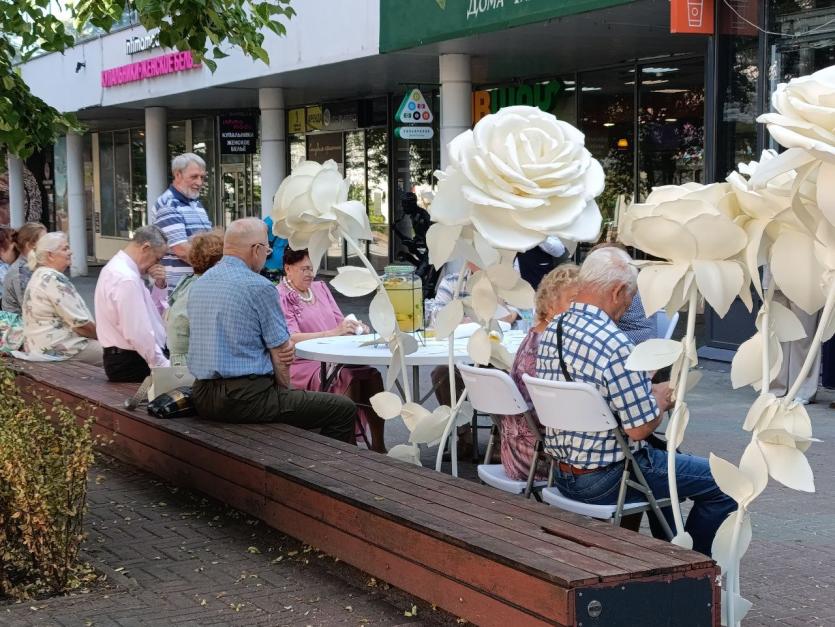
(665, 325)
(492, 391)
(569, 405)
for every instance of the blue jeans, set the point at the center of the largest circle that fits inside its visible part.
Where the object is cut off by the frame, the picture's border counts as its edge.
(710, 505)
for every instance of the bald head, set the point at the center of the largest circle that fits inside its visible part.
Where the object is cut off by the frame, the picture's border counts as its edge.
(247, 239)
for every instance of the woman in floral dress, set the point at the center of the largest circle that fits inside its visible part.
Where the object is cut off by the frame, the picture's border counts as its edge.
(553, 296)
(56, 320)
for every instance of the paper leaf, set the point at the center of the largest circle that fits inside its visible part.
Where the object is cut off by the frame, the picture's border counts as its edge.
(431, 427)
(394, 368)
(684, 540)
(489, 255)
(478, 347)
(759, 409)
(681, 418)
(386, 405)
(721, 548)
(796, 270)
(693, 378)
(500, 357)
(440, 240)
(448, 319)
(730, 479)
(503, 276)
(413, 413)
(522, 295)
(746, 367)
(656, 284)
(408, 342)
(353, 281)
(483, 297)
(381, 314)
(405, 453)
(789, 466)
(753, 465)
(719, 282)
(653, 355)
(786, 324)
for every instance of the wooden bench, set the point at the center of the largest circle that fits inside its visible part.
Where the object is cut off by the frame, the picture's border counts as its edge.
(488, 557)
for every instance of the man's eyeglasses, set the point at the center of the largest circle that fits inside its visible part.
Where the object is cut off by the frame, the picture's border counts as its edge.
(269, 250)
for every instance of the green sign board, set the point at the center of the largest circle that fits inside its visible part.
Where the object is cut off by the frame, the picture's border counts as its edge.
(410, 23)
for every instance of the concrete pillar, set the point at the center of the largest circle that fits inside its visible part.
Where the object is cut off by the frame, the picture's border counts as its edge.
(75, 204)
(17, 209)
(273, 145)
(156, 155)
(456, 99)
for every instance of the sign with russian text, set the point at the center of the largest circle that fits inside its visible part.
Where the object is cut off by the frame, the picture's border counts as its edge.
(414, 132)
(414, 109)
(410, 23)
(170, 63)
(542, 94)
(295, 121)
(238, 134)
(691, 16)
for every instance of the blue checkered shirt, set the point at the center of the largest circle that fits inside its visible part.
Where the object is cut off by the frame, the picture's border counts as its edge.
(638, 326)
(595, 352)
(179, 218)
(234, 319)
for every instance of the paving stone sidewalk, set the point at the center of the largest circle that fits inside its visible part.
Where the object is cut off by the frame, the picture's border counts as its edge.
(172, 557)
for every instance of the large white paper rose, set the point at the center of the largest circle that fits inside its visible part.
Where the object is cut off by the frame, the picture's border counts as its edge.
(693, 228)
(519, 176)
(311, 207)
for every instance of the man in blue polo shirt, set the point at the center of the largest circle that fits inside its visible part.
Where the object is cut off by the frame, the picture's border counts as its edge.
(240, 351)
(179, 214)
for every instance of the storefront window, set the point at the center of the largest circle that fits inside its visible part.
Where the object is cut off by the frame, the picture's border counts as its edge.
(355, 175)
(176, 141)
(60, 192)
(671, 124)
(139, 181)
(203, 144)
(608, 121)
(298, 151)
(376, 142)
(123, 183)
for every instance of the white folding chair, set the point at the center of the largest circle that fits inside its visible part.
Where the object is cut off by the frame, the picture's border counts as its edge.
(577, 406)
(494, 393)
(665, 326)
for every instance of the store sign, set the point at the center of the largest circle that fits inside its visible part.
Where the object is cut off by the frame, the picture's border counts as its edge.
(409, 23)
(414, 132)
(325, 146)
(171, 63)
(691, 16)
(140, 44)
(295, 121)
(541, 94)
(340, 116)
(238, 134)
(414, 109)
(313, 118)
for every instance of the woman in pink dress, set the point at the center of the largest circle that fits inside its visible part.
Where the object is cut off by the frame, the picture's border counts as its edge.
(553, 296)
(311, 312)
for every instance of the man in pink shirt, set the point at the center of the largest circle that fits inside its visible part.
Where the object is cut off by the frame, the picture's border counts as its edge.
(128, 322)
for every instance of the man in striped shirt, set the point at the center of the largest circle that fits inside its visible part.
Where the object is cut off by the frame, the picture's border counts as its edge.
(179, 214)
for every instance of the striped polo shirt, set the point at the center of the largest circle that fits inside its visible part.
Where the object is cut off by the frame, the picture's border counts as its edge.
(179, 218)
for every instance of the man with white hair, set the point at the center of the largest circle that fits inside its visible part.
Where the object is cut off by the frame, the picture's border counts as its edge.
(240, 351)
(180, 215)
(585, 344)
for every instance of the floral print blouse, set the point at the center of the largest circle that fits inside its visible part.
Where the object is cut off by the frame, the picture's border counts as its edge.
(52, 310)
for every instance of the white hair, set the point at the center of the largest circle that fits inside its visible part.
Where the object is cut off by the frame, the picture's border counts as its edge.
(607, 268)
(49, 243)
(181, 162)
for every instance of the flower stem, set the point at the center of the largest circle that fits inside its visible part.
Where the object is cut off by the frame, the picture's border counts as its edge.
(815, 347)
(766, 357)
(732, 576)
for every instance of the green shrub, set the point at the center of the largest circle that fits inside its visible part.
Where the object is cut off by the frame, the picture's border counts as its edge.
(45, 452)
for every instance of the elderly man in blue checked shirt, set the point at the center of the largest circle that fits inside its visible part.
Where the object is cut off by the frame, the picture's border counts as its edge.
(239, 348)
(595, 351)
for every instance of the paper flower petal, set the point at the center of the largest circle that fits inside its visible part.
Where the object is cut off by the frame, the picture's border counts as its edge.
(381, 314)
(796, 270)
(730, 479)
(653, 355)
(522, 295)
(353, 281)
(386, 405)
(656, 284)
(719, 282)
(478, 347)
(503, 275)
(789, 466)
(448, 319)
(665, 238)
(440, 239)
(405, 453)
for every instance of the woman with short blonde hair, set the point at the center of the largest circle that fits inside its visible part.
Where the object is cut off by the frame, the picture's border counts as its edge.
(56, 321)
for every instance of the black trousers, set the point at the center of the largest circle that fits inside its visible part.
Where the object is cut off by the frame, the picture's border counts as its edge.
(125, 366)
(257, 399)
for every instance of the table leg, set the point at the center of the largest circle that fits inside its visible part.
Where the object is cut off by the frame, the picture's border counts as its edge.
(416, 384)
(323, 376)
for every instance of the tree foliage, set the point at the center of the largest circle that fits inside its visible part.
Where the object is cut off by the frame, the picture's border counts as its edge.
(203, 26)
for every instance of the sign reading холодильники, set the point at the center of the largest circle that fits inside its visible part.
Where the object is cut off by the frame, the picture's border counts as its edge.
(161, 65)
(410, 23)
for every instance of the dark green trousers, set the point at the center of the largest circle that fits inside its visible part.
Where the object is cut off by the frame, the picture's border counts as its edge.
(259, 399)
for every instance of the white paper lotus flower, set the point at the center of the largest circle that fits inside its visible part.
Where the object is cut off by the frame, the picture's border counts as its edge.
(519, 176)
(311, 206)
(693, 228)
(805, 114)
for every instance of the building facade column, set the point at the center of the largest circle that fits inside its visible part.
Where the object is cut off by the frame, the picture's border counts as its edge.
(156, 155)
(17, 205)
(75, 204)
(456, 99)
(273, 144)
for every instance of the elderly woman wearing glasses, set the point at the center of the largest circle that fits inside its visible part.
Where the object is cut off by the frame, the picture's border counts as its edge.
(311, 312)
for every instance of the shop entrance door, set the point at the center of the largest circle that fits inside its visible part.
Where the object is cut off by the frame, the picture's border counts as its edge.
(233, 185)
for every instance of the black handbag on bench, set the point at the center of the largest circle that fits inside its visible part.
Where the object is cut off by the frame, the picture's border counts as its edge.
(174, 404)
